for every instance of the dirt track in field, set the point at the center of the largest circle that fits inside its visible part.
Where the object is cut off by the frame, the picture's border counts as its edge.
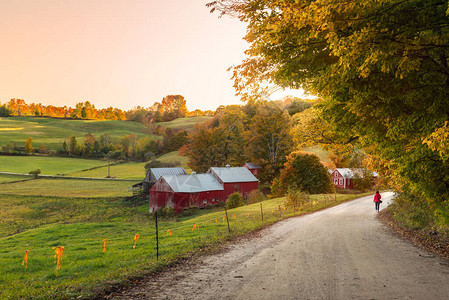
(342, 252)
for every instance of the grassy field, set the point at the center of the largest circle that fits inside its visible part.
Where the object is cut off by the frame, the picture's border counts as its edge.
(322, 154)
(12, 178)
(47, 165)
(184, 123)
(130, 170)
(69, 188)
(80, 225)
(52, 132)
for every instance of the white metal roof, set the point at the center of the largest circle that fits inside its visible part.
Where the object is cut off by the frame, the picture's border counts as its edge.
(234, 174)
(253, 165)
(349, 173)
(192, 183)
(158, 172)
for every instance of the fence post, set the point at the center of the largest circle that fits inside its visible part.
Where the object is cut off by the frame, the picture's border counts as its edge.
(226, 211)
(261, 210)
(335, 198)
(157, 238)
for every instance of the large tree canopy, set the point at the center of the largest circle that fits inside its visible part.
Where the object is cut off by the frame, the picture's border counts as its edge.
(380, 65)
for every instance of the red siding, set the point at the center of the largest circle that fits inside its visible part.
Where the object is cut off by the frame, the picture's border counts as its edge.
(242, 187)
(161, 195)
(341, 182)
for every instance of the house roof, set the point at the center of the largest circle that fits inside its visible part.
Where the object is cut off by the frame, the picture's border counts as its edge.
(253, 166)
(192, 183)
(158, 172)
(349, 173)
(235, 174)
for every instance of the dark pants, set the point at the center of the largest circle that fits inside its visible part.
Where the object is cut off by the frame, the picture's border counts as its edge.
(377, 205)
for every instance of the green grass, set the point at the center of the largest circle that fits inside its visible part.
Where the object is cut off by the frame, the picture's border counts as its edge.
(11, 178)
(39, 223)
(185, 123)
(69, 188)
(47, 165)
(130, 170)
(322, 154)
(52, 132)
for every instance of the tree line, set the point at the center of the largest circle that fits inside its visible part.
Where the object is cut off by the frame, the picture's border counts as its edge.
(170, 108)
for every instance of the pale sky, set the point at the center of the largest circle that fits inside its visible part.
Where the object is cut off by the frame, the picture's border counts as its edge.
(120, 53)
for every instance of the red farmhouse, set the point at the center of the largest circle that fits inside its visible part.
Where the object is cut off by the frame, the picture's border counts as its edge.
(344, 177)
(183, 191)
(253, 168)
(238, 179)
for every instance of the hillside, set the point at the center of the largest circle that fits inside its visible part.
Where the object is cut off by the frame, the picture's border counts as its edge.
(52, 132)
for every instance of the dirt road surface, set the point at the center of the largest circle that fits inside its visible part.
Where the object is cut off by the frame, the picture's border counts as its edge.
(338, 253)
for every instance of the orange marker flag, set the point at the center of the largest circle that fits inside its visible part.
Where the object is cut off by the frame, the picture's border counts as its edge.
(195, 226)
(248, 214)
(224, 218)
(136, 237)
(58, 257)
(104, 245)
(216, 221)
(25, 259)
(169, 232)
(234, 217)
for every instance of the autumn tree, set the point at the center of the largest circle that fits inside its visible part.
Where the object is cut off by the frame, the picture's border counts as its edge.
(380, 66)
(28, 145)
(269, 139)
(174, 107)
(304, 172)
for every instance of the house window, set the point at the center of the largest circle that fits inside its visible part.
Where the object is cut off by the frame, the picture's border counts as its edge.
(341, 181)
(335, 174)
(204, 201)
(336, 181)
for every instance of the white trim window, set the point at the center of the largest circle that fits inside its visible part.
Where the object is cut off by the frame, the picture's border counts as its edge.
(341, 181)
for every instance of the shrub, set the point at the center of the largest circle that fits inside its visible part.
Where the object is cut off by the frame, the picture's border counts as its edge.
(295, 199)
(35, 173)
(234, 200)
(255, 196)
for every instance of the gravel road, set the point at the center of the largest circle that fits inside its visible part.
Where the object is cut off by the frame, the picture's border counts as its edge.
(338, 253)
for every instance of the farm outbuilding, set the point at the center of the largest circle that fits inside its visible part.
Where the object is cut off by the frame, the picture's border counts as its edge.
(184, 191)
(155, 173)
(235, 179)
(253, 168)
(344, 177)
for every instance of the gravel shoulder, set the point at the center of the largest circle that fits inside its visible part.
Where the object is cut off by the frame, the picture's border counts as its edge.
(342, 252)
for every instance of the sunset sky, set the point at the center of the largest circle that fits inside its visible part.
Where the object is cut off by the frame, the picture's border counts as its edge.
(120, 53)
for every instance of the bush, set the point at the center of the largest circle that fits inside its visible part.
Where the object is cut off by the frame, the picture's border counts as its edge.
(167, 211)
(234, 200)
(295, 199)
(255, 196)
(305, 172)
(35, 173)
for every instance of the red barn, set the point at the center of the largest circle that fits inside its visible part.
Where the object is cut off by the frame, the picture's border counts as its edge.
(184, 191)
(344, 177)
(237, 179)
(253, 168)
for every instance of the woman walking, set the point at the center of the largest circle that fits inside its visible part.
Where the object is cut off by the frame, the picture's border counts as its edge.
(377, 201)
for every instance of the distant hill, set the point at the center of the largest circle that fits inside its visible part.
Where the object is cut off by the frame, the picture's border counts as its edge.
(51, 132)
(184, 123)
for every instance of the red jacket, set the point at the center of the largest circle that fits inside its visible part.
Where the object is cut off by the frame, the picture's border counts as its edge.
(377, 197)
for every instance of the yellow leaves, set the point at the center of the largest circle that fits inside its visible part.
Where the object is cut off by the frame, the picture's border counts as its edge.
(439, 141)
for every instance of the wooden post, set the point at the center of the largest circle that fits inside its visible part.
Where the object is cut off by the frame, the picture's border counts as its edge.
(157, 238)
(226, 211)
(261, 210)
(335, 198)
(280, 213)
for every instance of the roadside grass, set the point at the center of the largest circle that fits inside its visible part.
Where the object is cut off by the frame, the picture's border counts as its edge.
(80, 225)
(184, 123)
(52, 132)
(47, 165)
(54, 187)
